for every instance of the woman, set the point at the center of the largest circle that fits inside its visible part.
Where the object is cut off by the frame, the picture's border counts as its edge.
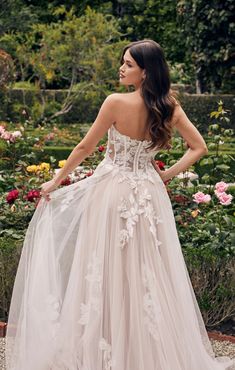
(102, 283)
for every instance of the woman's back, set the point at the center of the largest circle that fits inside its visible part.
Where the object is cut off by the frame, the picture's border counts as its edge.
(132, 116)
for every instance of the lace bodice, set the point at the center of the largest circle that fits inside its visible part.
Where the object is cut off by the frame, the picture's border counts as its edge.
(130, 154)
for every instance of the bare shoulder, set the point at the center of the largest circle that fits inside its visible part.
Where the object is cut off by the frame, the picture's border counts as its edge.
(114, 98)
(115, 102)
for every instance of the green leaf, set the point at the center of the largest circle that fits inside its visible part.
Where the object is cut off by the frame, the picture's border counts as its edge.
(223, 167)
(206, 161)
(212, 229)
(228, 220)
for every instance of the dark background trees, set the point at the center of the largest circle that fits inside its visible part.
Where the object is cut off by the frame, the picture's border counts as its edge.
(197, 35)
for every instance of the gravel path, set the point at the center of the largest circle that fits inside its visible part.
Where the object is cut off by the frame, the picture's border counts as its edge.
(221, 348)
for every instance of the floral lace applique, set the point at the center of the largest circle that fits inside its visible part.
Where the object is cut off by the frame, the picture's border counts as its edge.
(130, 212)
(131, 215)
(94, 278)
(135, 179)
(52, 310)
(107, 356)
(151, 305)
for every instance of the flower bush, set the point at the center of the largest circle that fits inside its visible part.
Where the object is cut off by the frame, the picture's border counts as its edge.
(204, 223)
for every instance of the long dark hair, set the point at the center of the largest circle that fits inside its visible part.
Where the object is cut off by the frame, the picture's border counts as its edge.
(155, 89)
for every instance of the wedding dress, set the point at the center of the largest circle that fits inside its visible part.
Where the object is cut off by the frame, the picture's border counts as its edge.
(102, 283)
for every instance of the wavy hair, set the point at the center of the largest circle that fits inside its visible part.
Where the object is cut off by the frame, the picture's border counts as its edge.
(155, 89)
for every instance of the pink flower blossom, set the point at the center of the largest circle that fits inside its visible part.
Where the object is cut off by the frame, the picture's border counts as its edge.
(12, 138)
(224, 198)
(2, 130)
(50, 136)
(6, 135)
(200, 197)
(221, 187)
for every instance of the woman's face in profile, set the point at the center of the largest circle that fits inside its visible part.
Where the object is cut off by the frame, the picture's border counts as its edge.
(129, 72)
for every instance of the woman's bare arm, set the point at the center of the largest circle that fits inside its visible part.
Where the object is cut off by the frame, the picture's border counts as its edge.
(195, 141)
(87, 145)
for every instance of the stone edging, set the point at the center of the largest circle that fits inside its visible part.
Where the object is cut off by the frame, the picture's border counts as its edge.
(212, 334)
(220, 337)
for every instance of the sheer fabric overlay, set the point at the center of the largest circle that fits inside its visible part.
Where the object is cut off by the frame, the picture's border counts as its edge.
(102, 283)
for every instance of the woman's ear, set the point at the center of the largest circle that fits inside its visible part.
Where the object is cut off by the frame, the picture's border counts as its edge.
(143, 74)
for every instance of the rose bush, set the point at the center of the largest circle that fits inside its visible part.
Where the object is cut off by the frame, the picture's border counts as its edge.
(205, 222)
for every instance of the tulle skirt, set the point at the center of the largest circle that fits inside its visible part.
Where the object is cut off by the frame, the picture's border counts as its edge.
(102, 283)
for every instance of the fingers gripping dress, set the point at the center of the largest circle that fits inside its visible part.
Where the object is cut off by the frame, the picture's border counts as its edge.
(102, 283)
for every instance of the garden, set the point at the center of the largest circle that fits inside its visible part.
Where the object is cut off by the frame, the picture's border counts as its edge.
(57, 68)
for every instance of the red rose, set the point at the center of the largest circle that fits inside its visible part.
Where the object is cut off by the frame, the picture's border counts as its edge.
(160, 164)
(89, 173)
(66, 181)
(101, 148)
(12, 196)
(32, 195)
(180, 198)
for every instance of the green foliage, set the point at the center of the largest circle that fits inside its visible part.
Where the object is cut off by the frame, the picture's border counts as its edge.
(82, 50)
(15, 16)
(88, 98)
(10, 249)
(208, 31)
(219, 161)
(206, 55)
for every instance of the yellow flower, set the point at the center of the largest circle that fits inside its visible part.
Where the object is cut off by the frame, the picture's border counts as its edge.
(62, 163)
(195, 213)
(32, 168)
(44, 167)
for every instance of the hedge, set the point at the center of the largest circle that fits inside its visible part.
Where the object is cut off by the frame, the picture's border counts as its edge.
(86, 106)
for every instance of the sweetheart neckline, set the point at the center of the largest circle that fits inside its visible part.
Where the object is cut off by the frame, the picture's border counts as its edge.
(141, 141)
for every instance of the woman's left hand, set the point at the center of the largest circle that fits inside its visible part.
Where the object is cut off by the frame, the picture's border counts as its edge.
(164, 176)
(47, 187)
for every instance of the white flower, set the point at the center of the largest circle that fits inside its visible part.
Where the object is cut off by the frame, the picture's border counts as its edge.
(16, 134)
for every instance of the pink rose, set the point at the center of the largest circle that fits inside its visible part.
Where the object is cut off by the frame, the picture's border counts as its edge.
(221, 187)
(200, 197)
(2, 129)
(50, 136)
(12, 138)
(6, 135)
(224, 198)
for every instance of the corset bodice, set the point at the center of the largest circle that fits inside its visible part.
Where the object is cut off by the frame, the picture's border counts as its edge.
(129, 154)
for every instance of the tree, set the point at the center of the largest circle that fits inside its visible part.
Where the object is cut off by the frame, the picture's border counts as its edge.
(208, 31)
(16, 16)
(78, 50)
